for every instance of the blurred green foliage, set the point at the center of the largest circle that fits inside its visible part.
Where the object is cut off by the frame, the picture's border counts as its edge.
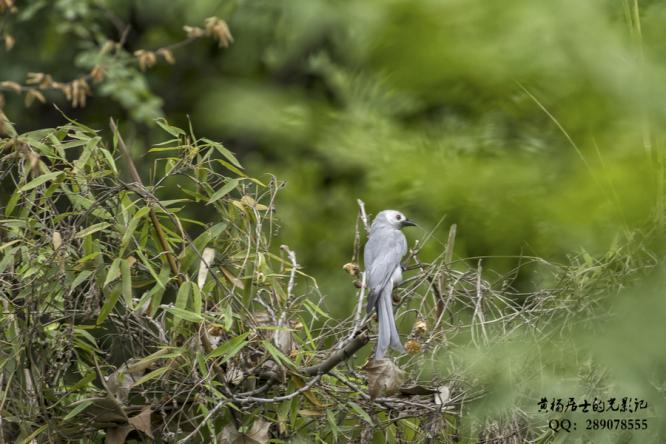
(536, 126)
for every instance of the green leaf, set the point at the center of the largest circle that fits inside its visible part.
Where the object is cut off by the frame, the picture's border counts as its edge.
(40, 180)
(91, 229)
(78, 409)
(333, 423)
(312, 307)
(11, 204)
(109, 159)
(174, 131)
(224, 190)
(109, 303)
(182, 297)
(188, 257)
(126, 282)
(277, 355)
(82, 161)
(184, 314)
(152, 375)
(228, 317)
(80, 278)
(166, 352)
(196, 298)
(131, 227)
(230, 348)
(113, 273)
(362, 413)
(225, 152)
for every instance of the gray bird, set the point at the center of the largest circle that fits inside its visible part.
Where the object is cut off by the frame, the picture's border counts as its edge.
(385, 248)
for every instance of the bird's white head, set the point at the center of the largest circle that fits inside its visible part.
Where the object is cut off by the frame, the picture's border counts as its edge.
(392, 218)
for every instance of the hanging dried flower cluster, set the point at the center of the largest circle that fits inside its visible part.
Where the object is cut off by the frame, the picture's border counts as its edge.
(77, 90)
(146, 58)
(219, 29)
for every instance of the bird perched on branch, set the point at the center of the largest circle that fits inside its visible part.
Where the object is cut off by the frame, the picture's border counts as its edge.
(385, 248)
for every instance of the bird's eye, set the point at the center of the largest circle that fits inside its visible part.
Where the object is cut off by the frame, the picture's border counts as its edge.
(398, 217)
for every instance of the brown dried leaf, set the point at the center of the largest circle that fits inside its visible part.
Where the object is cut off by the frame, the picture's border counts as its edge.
(258, 434)
(233, 279)
(56, 239)
(117, 435)
(259, 431)
(384, 377)
(142, 421)
(207, 258)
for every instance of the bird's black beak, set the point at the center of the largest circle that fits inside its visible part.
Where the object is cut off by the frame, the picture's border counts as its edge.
(408, 223)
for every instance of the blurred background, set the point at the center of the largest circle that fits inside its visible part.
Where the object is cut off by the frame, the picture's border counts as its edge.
(532, 125)
(535, 126)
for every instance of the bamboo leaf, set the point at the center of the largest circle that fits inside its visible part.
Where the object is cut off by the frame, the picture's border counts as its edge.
(184, 314)
(40, 180)
(113, 273)
(78, 409)
(277, 355)
(224, 190)
(230, 348)
(131, 227)
(182, 298)
(225, 152)
(126, 282)
(80, 278)
(362, 413)
(92, 229)
(109, 304)
(152, 375)
(174, 131)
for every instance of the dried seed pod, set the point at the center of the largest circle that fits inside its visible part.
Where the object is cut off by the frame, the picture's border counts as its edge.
(420, 327)
(146, 58)
(97, 73)
(13, 86)
(351, 268)
(194, 32)
(167, 55)
(412, 347)
(33, 95)
(218, 28)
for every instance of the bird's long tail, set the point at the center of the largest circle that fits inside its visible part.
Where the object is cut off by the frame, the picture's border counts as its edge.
(388, 332)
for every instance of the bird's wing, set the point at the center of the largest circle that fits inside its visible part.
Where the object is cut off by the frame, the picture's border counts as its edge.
(382, 255)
